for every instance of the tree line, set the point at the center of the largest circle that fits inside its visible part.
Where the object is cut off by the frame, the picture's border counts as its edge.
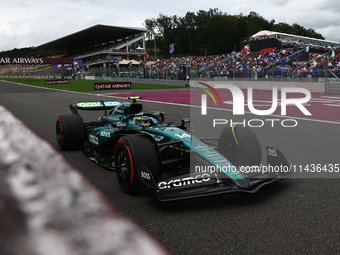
(204, 32)
(213, 32)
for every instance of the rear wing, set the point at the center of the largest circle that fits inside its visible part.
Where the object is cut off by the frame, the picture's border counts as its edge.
(93, 106)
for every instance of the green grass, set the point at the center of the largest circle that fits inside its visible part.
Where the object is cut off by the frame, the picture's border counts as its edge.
(82, 85)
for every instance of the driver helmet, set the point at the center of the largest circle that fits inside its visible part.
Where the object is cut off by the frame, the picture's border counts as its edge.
(142, 120)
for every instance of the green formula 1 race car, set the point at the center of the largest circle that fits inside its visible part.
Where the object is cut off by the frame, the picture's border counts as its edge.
(163, 160)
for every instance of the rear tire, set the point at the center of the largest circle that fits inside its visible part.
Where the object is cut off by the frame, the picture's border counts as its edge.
(130, 151)
(70, 132)
(240, 146)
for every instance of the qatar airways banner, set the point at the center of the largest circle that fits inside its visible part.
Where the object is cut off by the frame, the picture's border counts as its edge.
(77, 62)
(35, 61)
(64, 81)
(112, 85)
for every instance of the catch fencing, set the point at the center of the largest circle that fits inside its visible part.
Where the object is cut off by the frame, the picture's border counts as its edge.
(182, 76)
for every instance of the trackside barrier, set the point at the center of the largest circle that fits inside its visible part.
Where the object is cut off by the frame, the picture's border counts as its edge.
(48, 207)
(139, 80)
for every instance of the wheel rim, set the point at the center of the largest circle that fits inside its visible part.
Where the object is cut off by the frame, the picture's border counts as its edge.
(123, 167)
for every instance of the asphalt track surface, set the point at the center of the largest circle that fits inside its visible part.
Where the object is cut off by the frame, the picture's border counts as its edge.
(299, 215)
(321, 106)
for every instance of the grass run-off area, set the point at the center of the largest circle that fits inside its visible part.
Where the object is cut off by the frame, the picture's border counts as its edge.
(82, 85)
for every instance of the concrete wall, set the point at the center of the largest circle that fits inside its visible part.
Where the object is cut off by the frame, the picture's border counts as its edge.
(265, 85)
(260, 85)
(138, 80)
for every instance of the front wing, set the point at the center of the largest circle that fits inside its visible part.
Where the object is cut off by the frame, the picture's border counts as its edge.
(197, 185)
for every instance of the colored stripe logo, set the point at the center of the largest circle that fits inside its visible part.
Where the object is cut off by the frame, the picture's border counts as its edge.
(210, 94)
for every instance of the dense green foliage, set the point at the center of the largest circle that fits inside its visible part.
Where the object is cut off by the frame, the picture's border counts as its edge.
(213, 32)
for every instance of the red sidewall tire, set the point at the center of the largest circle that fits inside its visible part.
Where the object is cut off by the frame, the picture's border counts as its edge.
(70, 132)
(130, 151)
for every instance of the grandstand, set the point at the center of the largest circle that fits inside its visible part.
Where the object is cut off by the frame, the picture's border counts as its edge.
(101, 45)
(269, 40)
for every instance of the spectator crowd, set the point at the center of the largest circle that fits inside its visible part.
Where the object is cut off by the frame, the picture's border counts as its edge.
(246, 61)
(228, 64)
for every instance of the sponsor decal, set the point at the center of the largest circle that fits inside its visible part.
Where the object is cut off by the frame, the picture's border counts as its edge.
(105, 134)
(96, 104)
(93, 139)
(119, 110)
(158, 138)
(182, 136)
(78, 62)
(272, 152)
(145, 175)
(35, 61)
(202, 148)
(121, 124)
(330, 80)
(50, 82)
(112, 85)
(184, 181)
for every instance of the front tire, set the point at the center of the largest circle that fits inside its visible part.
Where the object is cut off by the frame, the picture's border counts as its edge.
(240, 146)
(70, 132)
(130, 151)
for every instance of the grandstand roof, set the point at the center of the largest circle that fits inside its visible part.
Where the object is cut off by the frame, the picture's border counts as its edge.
(269, 33)
(90, 36)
